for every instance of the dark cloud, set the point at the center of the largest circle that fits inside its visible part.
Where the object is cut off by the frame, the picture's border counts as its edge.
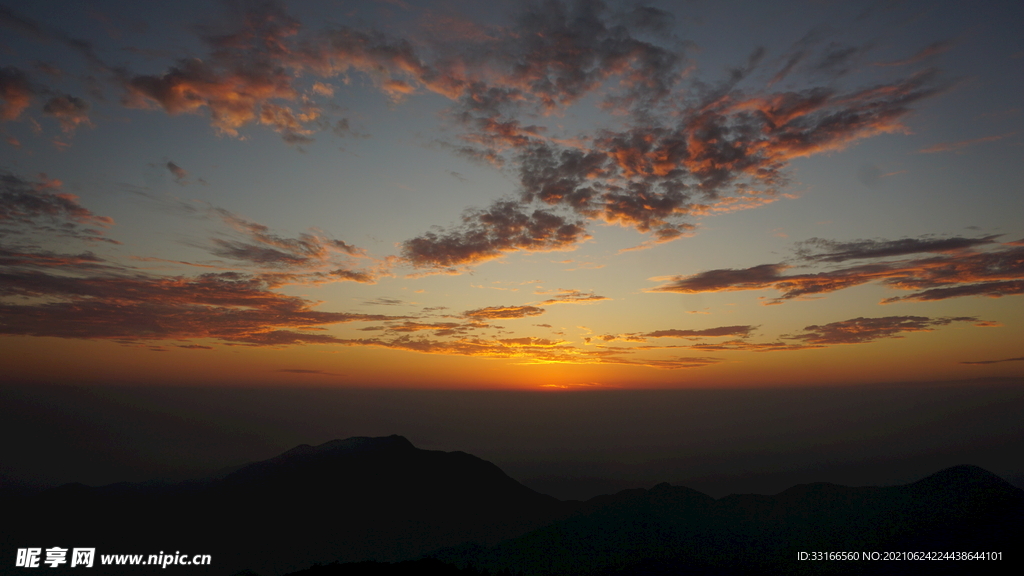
(305, 371)
(753, 278)
(957, 271)
(11, 257)
(822, 250)
(439, 328)
(744, 346)
(711, 149)
(499, 312)
(179, 173)
(25, 25)
(560, 52)
(230, 307)
(15, 92)
(861, 330)
(85, 296)
(979, 362)
(717, 332)
(70, 112)
(741, 331)
(382, 301)
(310, 257)
(14, 21)
(839, 60)
(575, 297)
(991, 289)
(669, 364)
(486, 234)
(38, 206)
(262, 255)
(305, 247)
(853, 331)
(724, 152)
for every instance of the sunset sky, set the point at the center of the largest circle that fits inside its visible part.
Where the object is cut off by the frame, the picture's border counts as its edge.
(508, 195)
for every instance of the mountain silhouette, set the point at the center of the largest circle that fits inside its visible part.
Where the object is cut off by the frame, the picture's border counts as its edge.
(382, 506)
(352, 500)
(675, 530)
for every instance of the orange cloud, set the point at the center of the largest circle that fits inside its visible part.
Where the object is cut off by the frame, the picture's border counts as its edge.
(504, 312)
(529, 350)
(678, 157)
(575, 297)
(15, 92)
(954, 146)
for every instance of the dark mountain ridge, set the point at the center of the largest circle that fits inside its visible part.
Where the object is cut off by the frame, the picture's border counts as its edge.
(351, 500)
(676, 530)
(365, 500)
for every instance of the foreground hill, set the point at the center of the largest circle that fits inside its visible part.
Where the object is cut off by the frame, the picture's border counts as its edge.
(350, 500)
(374, 506)
(675, 530)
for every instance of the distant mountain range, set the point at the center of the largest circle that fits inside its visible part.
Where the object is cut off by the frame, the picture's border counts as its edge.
(377, 505)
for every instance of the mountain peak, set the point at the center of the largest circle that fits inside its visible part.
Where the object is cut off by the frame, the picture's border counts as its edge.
(962, 476)
(348, 446)
(364, 444)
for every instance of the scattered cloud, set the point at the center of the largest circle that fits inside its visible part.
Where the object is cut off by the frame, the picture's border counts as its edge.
(237, 83)
(179, 173)
(861, 330)
(717, 332)
(311, 258)
(70, 112)
(131, 307)
(955, 146)
(487, 234)
(28, 207)
(741, 331)
(382, 301)
(929, 51)
(574, 297)
(529, 350)
(15, 92)
(822, 250)
(306, 371)
(957, 270)
(718, 148)
(980, 362)
(504, 312)
(675, 156)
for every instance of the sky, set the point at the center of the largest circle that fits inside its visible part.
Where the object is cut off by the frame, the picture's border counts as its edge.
(515, 195)
(511, 196)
